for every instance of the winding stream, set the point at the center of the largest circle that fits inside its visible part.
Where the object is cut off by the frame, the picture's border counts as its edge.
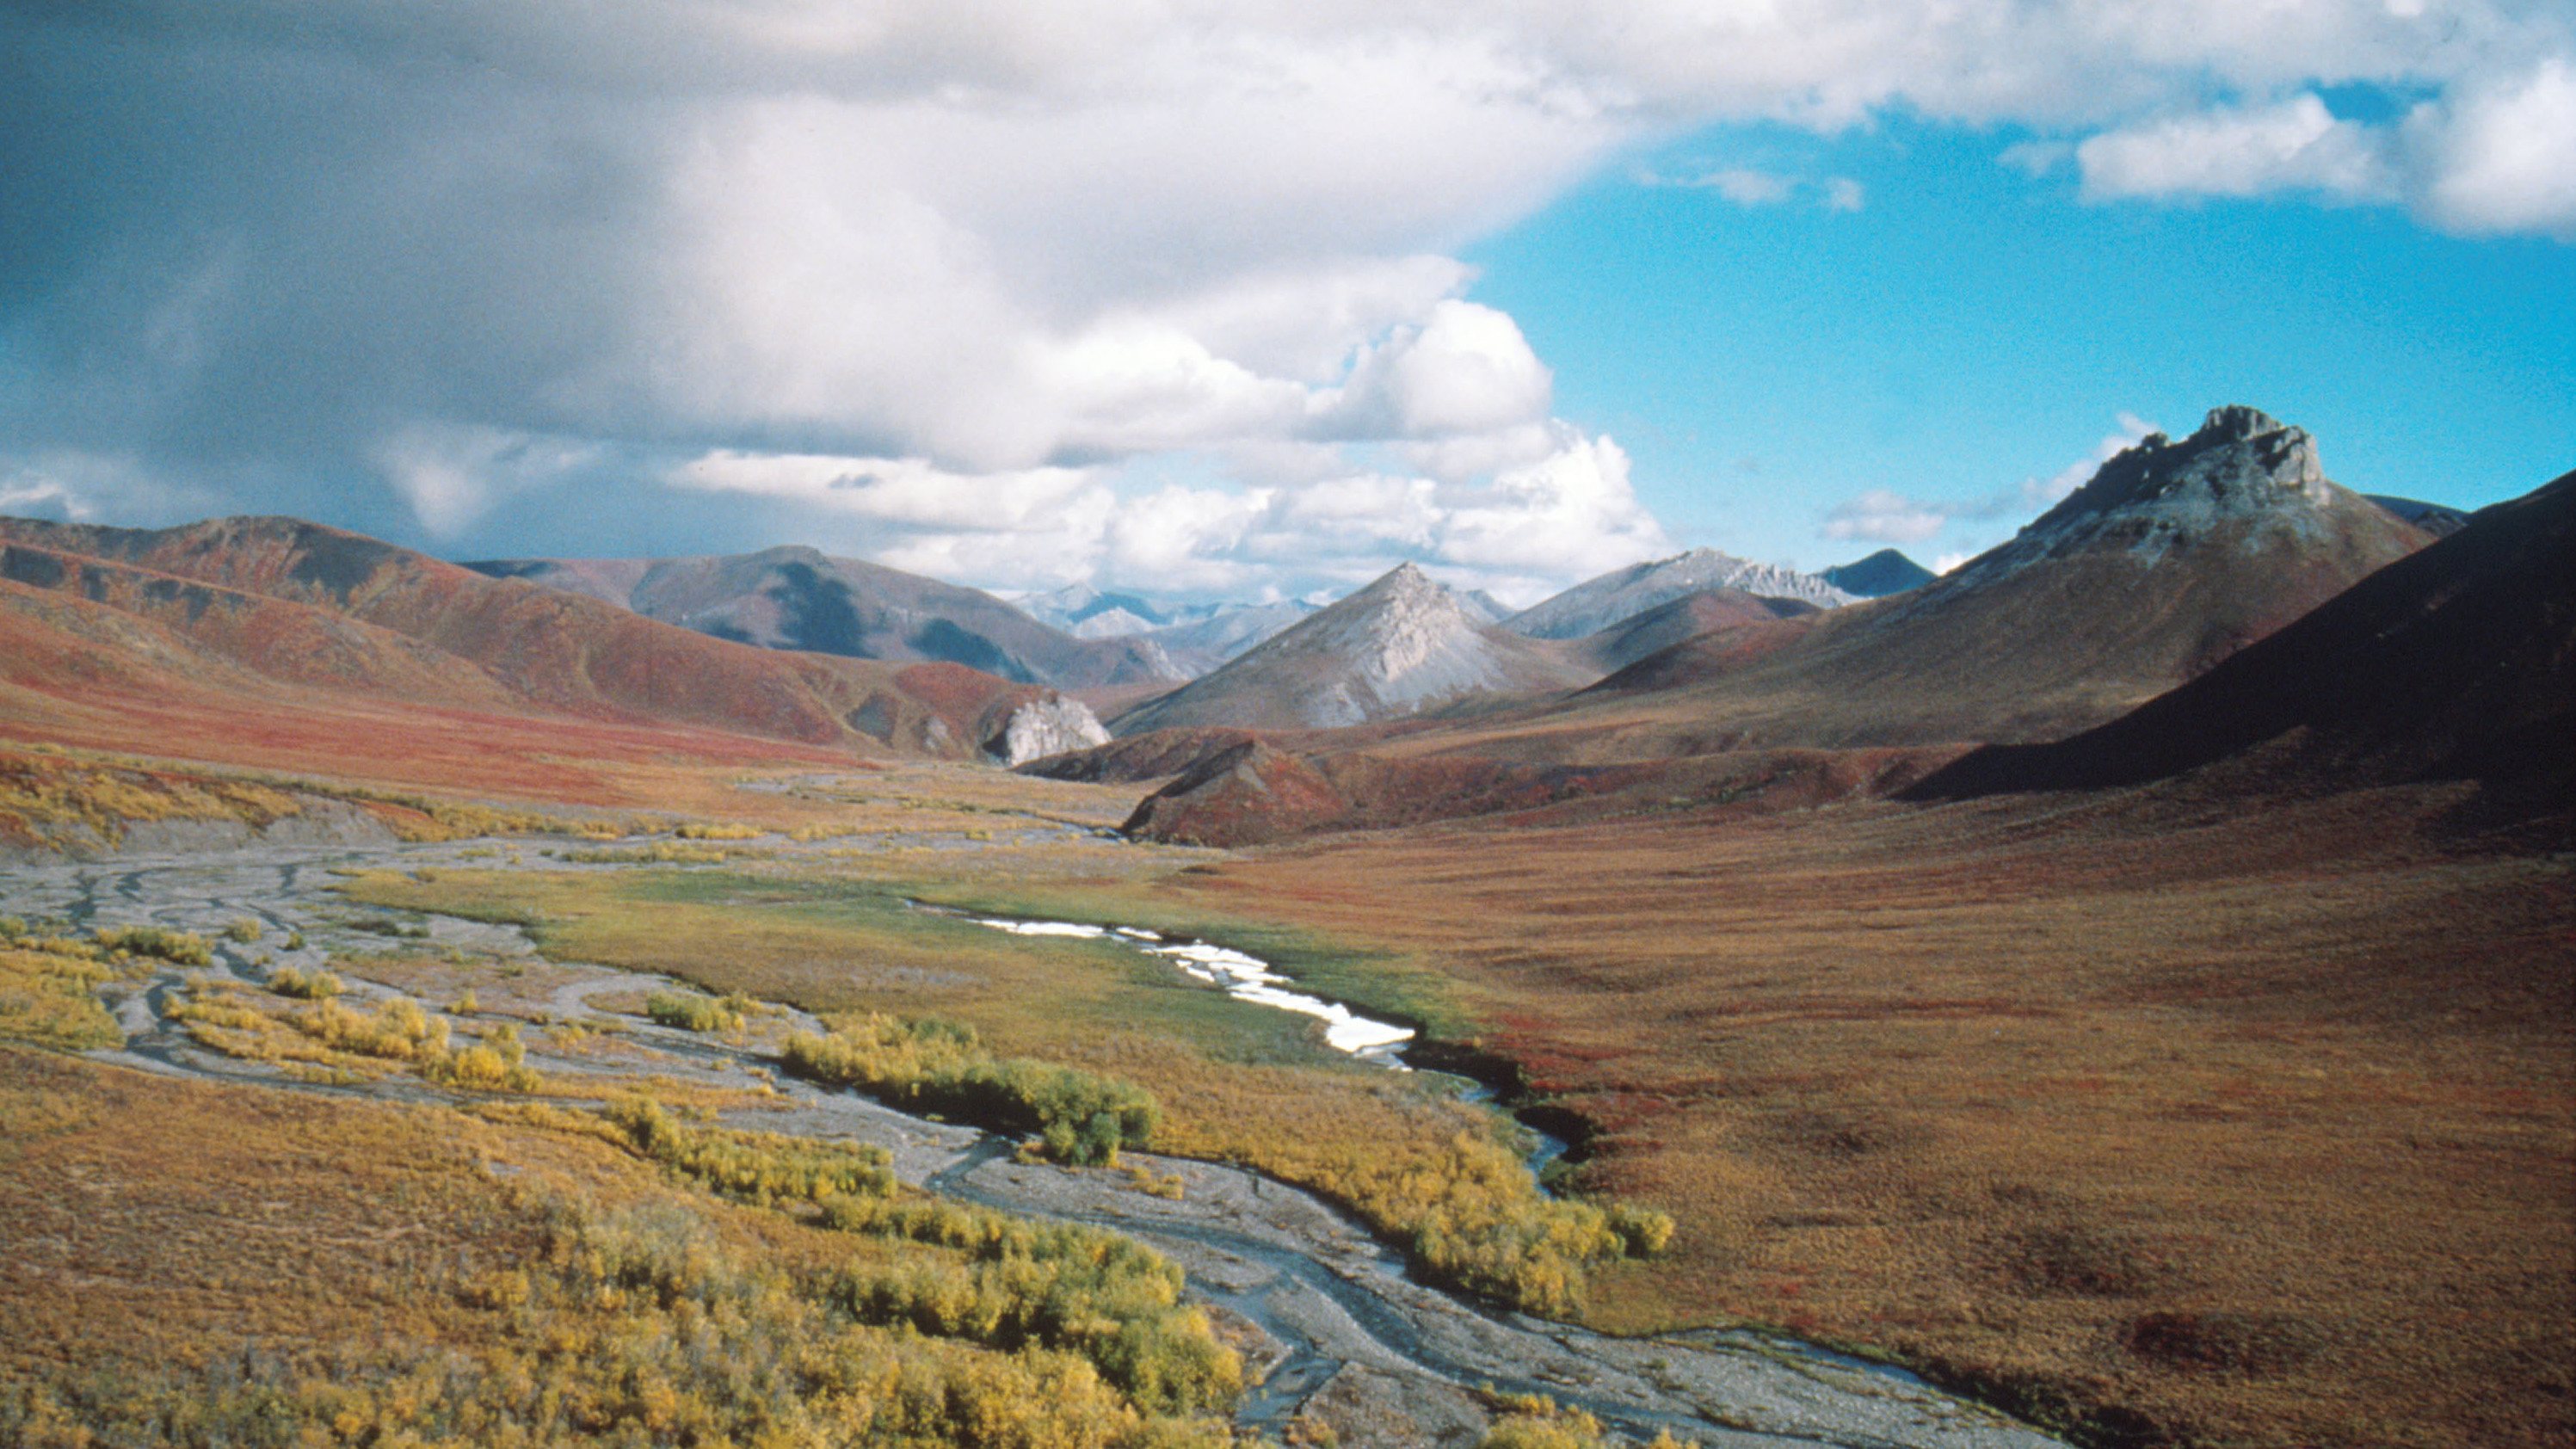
(1334, 1327)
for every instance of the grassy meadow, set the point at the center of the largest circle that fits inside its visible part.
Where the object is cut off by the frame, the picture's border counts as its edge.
(1227, 1080)
(2164, 1119)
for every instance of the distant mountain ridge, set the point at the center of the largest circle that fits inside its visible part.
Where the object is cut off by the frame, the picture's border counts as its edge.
(2174, 557)
(800, 598)
(2458, 662)
(1875, 577)
(1622, 594)
(242, 619)
(1401, 646)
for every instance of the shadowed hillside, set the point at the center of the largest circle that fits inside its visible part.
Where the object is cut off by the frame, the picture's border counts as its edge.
(798, 598)
(238, 631)
(2456, 663)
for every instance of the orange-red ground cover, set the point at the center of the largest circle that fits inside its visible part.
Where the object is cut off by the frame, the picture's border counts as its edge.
(2183, 1120)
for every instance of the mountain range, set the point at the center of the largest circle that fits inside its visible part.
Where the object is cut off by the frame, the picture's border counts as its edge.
(287, 644)
(2175, 556)
(2033, 664)
(799, 598)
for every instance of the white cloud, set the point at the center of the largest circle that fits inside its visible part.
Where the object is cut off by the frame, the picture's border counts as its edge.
(453, 475)
(907, 492)
(1748, 188)
(2296, 144)
(1465, 371)
(1028, 248)
(2501, 157)
(2038, 494)
(1549, 520)
(1751, 186)
(1569, 515)
(1882, 516)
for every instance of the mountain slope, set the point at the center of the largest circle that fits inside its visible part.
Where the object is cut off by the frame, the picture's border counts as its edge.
(1402, 646)
(2456, 663)
(799, 598)
(225, 613)
(1623, 594)
(2174, 556)
(1686, 618)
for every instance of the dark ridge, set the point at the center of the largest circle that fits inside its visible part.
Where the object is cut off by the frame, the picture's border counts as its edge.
(2456, 662)
(953, 643)
(511, 568)
(1882, 573)
(337, 562)
(196, 596)
(2439, 520)
(32, 566)
(816, 613)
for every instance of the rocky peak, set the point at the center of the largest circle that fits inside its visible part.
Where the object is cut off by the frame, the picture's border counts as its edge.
(2241, 461)
(1397, 625)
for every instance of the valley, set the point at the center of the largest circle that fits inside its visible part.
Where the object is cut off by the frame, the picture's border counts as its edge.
(1341, 1337)
(2121, 982)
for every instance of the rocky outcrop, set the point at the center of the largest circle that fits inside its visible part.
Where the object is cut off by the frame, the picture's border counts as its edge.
(1043, 727)
(2457, 663)
(2243, 474)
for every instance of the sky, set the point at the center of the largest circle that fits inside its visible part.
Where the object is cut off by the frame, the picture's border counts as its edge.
(1258, 298)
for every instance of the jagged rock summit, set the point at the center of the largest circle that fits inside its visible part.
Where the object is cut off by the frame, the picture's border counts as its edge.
(2242, 473)
(1403, 645)
(1623, 594)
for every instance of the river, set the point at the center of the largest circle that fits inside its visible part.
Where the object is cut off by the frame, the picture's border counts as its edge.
(1337, 1330)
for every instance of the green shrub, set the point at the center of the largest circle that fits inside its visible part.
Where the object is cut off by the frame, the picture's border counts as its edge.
(180, 948)
(935, 1066)
(689, 1011)
(762, 1166)
(305, 985)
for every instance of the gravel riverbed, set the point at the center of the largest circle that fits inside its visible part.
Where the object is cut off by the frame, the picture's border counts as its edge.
(1329, 1320)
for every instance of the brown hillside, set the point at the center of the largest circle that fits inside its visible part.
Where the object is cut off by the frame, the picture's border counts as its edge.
(258, 640)
(2456, 663)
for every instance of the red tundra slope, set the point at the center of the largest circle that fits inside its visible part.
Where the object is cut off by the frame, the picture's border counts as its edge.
(290, 645)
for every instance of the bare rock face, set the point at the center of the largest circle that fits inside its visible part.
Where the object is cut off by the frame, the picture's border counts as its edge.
(1401, 646)
(1049, 726)
(2243, 472)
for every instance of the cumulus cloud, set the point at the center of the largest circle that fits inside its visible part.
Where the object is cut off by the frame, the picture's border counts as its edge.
(2242, 152)
(2501, 157)
(2495, 154)
(1880, 516)
(988, 266)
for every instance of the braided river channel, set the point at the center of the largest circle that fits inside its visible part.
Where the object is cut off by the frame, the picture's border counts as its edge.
(1336, 1330)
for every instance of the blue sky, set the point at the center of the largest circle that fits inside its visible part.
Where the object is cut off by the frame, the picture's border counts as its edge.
(1967, 329)
(1235, 299)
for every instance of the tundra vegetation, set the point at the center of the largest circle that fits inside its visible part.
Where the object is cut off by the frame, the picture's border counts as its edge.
(1086, 1047)
(283, 1271)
